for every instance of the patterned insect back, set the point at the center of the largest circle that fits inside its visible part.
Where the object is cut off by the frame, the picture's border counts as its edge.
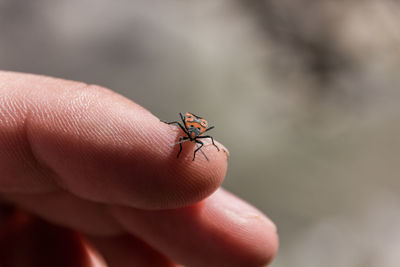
(195, 124)
(194, 127)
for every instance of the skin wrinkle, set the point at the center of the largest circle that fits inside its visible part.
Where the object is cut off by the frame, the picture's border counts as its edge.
(27, 111)
(75, 105)
(8, 122)
(45, 172)
(9, 115)
(20, 112)
(47, 118)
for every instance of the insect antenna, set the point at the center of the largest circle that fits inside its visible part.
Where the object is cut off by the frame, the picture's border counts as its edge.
(180, 142)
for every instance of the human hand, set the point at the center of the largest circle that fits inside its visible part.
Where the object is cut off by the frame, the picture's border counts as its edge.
(101, 167)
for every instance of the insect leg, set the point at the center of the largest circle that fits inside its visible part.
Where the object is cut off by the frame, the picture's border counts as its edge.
(180, 144)
(182, 118)
(197, 149)
(204, 154)
(212, 139)
(179, 124)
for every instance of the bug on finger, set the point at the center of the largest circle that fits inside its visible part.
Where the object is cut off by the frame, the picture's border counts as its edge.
(194, 127)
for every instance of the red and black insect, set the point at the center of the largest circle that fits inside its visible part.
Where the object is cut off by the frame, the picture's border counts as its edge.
(194, 128)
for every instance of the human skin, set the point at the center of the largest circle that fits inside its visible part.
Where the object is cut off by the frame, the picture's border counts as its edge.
(98, 169)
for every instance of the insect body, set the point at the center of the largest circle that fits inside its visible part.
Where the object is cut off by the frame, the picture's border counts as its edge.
(194, 128)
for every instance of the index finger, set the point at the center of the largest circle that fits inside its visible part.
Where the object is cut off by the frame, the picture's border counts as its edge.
(96, 144)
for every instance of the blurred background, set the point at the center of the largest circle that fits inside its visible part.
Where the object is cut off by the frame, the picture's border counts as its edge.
(305, 94)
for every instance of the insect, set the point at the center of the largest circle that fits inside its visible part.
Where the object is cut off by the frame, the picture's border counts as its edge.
(194, 128)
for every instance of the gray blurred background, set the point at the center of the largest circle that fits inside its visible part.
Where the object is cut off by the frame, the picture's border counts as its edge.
(305, 94)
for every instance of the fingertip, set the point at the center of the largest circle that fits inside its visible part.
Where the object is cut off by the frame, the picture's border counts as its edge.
(188, 180)
(253, 239)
